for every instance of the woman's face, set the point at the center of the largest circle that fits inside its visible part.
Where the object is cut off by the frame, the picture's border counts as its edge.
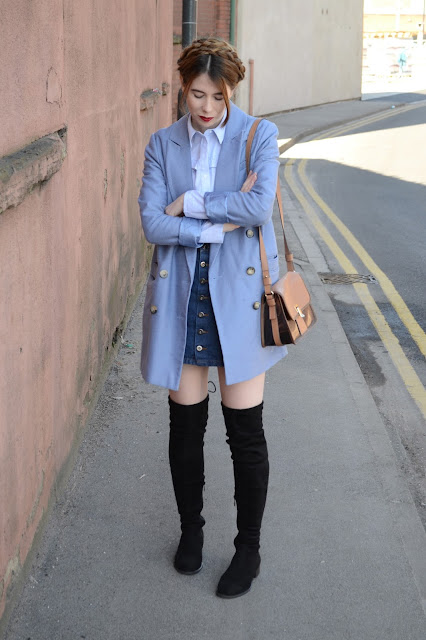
(206, 103)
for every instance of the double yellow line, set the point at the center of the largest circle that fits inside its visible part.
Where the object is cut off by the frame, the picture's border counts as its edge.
(400, 360)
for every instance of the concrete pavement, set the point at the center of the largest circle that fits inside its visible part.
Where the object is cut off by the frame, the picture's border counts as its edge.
(343, 549)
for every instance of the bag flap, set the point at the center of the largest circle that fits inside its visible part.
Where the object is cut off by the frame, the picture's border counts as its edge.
(293, 291)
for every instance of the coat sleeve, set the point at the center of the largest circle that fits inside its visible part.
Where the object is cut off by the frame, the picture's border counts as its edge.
(158, 227)
(255, 207)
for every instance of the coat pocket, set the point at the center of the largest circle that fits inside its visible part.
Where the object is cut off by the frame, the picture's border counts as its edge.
(273, 263)
(153, 271)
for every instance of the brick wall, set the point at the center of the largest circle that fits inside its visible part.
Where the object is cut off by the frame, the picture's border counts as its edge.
(223, 15)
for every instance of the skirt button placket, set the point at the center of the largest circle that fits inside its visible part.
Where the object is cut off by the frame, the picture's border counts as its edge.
(203, 306)
(202, 341)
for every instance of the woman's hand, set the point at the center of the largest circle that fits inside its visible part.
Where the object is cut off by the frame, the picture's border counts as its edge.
(249, 182)
(175, 208)
(229, 227)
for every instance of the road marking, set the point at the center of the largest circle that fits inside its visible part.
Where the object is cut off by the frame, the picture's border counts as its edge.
(409, 376)
(389, 289)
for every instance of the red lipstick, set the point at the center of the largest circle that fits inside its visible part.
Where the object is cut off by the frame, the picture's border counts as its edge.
(205, 119)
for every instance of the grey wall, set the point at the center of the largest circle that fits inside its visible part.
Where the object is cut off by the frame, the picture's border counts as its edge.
(305, 53)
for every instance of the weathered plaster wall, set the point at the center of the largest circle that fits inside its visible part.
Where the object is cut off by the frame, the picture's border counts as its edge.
(305, 53)
(71, 253)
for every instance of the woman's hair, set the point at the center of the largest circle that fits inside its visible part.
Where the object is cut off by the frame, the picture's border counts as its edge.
(215, 57)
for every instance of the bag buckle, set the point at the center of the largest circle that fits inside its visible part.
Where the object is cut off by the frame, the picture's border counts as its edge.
(302, 315)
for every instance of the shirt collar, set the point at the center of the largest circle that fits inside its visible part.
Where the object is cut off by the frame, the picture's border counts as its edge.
(219, 130)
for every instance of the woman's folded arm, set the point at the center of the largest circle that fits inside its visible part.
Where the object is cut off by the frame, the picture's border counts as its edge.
(158, 227)
(252, 208)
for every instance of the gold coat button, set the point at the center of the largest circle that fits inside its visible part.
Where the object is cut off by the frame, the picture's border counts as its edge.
(203, 281)
(203, 264)
(201, 314)
(154, 309)
(249, 233)
(199, 348)
(256, 305)
(250, 271)
(164, 273)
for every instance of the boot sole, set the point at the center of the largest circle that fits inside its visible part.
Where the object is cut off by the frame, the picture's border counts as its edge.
(188, 573)
(237, 595)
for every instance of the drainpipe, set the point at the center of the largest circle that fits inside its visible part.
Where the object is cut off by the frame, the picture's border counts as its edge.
(251, 74)
(189, 33)
(189, 22)
(232, 23)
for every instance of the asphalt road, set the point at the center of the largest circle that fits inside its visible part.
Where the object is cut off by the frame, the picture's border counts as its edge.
(379, 192)
(372, 178)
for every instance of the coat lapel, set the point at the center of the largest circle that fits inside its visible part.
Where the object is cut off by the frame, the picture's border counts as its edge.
(178, 160)
(178, 170)
(228, 165)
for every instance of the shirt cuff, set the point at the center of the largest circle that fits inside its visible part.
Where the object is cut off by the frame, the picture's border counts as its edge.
(193, 205)
(212, 233)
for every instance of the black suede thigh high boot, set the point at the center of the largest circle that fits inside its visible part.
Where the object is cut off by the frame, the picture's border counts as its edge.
(186, 456)
(251, 472)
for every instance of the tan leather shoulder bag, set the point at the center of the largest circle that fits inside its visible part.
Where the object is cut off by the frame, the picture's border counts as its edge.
(286, 310)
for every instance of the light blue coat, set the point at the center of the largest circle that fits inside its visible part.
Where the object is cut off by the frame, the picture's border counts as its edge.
(168, 174)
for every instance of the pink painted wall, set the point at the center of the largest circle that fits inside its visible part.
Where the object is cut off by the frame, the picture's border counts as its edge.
(72, 254)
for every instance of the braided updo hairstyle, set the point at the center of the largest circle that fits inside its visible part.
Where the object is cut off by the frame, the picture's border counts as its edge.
(218, 59)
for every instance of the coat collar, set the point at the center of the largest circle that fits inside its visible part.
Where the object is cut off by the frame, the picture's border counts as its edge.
(179, 132)
(237, 121)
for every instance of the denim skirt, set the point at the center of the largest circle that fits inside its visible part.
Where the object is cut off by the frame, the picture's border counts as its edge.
(202, 339)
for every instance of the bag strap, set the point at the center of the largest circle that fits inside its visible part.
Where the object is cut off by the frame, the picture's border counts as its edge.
(269, 294)
(288, 254)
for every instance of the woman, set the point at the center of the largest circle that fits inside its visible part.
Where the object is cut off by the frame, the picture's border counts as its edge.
(202, 307)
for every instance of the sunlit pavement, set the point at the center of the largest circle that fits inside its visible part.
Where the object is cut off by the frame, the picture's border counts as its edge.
(373, 88)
